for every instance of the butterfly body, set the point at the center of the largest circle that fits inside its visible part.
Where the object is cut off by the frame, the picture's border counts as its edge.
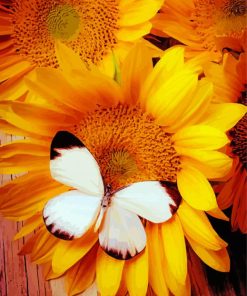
(115, 214)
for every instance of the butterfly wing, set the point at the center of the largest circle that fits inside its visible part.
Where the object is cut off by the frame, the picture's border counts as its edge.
(152, 200)
(72, 164)
(122, 234)
(70, 214)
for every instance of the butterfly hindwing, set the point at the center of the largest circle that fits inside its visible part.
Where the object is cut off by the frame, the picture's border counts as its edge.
(72, 164)
(122, 234)
(151, 200)
(70, 214)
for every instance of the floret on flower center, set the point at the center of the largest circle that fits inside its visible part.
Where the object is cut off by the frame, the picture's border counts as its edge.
(63, 22)
(128, 145)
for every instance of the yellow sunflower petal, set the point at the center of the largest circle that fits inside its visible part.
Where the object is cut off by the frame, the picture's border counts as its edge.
(67, 65)
(175, 287)
(198, 105)
(136, 274)
(134, 32)
(168, 102)
(197, 227)
(68, 253)
(81, 276)
(212, 164)
(174, 248)
(218, 260)
(156, 255)
(171, 61)
(200, 137)
(135, 68)
(108, 273)
(195, 189)
(136, 12)
(224, 116)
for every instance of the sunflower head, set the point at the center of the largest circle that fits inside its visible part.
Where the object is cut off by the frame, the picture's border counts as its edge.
(93, 29)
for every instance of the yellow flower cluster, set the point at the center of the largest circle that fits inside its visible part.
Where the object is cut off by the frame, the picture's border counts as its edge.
(156, 91)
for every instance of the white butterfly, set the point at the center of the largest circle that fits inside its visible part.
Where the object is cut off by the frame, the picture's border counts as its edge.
(114, 213)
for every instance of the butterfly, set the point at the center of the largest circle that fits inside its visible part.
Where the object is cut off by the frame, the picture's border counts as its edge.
(113, 213)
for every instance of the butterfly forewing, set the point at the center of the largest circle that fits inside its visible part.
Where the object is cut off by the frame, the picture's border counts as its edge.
(150, 199)
(70, 214)
(72, 164)
(122, 234)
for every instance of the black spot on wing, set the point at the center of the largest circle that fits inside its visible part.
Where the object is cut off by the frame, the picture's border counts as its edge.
(117, 254)
(64, 140)
(58, 233)
(173, 192)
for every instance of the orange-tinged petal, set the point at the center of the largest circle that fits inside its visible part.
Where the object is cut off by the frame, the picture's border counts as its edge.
(108, 273)
(23, 147)
(28, 246)
(174, 248)
(30, 225)
(44, 246)
(81, 276)
(195, 189)
(27, 195)
(68, 253)
(197, 227)
(48, 272)
(217, 213)
(22, 163)
(15, 69)
(200, 137)
(218, 260)
(31, 118)
(136, 274)
(156, 255)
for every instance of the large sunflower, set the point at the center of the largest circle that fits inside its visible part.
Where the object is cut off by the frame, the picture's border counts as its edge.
(154, 125)
(204, 25)
(93, 29)
(230, 84)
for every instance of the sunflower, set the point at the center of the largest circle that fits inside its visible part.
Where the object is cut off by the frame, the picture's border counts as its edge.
(93, 29)
(204, 25)
(150, 125)
(230, 84)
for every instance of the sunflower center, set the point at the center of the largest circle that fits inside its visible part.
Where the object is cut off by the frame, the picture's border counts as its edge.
(230, 18)
(128, 145)
(239, 140)
(63, 22)
(216, 18)
(88, 27)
